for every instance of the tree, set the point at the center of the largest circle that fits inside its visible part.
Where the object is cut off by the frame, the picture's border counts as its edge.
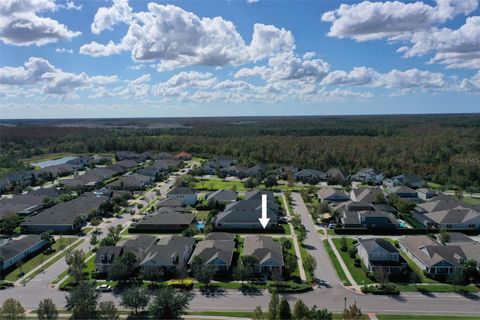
(47, 310)
(258, 313)
(82, 301)
(270, 181)
(76, 263)
(151, 273)
(471, 270)
(241, 273)
(284, 310)
(300, 311)
(320, 314)
(12, 310)
(135, 298)
(456, 278)
(443, 237)
(380, 198)
(167, 304)
(47, 236)
(310, 264)
(78, 222)
(107, 311)
(353, 312)
(301, 233)
(286, 244)
(381, 276)
(205, 274)
(273, 307)
(94, 239)
(343, 244)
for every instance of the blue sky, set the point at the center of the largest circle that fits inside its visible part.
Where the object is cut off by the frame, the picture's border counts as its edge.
(217, 58)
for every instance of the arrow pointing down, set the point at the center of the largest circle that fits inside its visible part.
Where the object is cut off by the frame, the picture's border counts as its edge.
(264, 220)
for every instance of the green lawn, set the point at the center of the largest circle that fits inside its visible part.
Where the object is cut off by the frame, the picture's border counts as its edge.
(218, 184)
(286, 229)
(37, 260)
(304, 253)
(423, 317)
(238, 314)
(336, 264)
(357, 273)
(440, 287)
(201, 214)
(470, 200)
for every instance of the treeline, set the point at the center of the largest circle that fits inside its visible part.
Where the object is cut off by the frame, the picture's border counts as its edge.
(442, 149)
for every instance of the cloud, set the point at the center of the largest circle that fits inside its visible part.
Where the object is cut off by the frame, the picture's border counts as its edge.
(21, 25)
(391, 19)
(176, 38)
(38, 72)
(454, 48)
(63, 50)
(107, 17)
(358, 76)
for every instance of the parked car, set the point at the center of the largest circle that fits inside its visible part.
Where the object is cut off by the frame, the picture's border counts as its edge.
(103, 288)
(332, 225)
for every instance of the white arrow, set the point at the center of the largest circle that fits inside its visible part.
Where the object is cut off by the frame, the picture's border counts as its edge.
(264, 220)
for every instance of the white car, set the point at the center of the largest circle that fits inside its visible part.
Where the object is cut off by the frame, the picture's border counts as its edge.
(103, 288)
(332, 225)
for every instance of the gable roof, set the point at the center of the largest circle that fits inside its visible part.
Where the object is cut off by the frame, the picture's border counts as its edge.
(431, 252)
(222, 195)
(366, 194)
(167, 218)
(13, 247)
(168, 250)
(247, 211)
(328, 192)
(373, 244)
(182, 190)
(220, 236)
(263, 248)
(210, 250)
(453, 216)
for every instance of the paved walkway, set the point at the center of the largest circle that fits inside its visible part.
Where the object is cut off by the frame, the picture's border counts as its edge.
(303, 276)
(354, 284)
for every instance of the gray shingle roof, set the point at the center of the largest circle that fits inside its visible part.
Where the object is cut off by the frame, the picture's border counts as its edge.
(373, 244)
(210, 250)
(431, 252)
(167, 218)
(11, 248)
(222, 196)
(263, 248)
(167, 250)
(182, 190)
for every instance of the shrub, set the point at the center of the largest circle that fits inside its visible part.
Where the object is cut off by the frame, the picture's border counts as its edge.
(388, 288)
(357, 263)
(181, 284)
(5, 284)
(288, 286)
(352, 252)
(354, 241)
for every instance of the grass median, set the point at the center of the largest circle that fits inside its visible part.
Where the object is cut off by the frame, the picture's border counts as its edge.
(336, 264)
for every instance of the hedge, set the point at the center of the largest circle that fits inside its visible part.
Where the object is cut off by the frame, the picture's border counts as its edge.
(388, 288)
(288, 287)
(400, 232)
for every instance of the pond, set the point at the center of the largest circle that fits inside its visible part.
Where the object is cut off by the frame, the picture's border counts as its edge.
(52, 162)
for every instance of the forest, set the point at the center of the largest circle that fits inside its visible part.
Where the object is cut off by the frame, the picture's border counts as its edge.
(444, 149)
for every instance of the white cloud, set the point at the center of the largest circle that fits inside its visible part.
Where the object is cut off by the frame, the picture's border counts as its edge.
(21, 25)
(95, 49)
(63, 50)
(391, 19)
(412, 78)
(39, 73)
(268, 40)
(358, 76)
(106, 18)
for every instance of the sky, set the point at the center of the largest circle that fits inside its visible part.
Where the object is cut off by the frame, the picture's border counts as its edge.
(120, 58)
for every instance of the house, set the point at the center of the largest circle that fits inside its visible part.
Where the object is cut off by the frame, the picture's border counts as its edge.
(183, 155)
(222, 196)
(431, 256)
(368, 175)
(439, 203)
(369, 195)
(172, 203)
(455, 218)
(285, 172)
(310, 176)
(334, 175)
(217, 163)
(169, 254)
(426, 194)
(139, 246)
(365, 215)
(127, 155)
(255, 171)
(187, 195)
(409, 180)
(165, 220)
(380, 254)
(244, 214)
(332, 195)
(216, 250)
(13, 251)
(267, 251)
(132, 182)
(62, 217)
(26, 204)
(105, 257)
(404, 193)
(90, 180)
(51, 172)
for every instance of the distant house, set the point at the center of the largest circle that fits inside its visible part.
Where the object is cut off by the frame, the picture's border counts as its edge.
(217, 163)
(369, 195)
(380, 254)
(431, 256)
(127, 155)
(244, 214)
(62, 217)
(403, 192)
(222, 196)
(187, 195)
(367, 175)
(334, 175)
(332, 195)
(172, 203)
(409, 180)
(169, 254)
(91, 179)
(183, 155)
(255, 171)
(426, 194)
(310, 176)
(439, 203)
(132, 182)
(267, 251)
(365, 215)
(13, 251)
(216, 250)
(170, 220)
(26, 204)
(105, 257)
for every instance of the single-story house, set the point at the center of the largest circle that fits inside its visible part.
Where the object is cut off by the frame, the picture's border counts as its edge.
(369, 195)
(222, 196)
(335, 175)
(431, 256)
(455, 218)
(426, 194)
(310, 176)
(133, 182)
(267, 251)
(365, 215)
(405, 193)
(379, 253)
(368, 175)
(164, 221)
(216, 250)
(332, 195)
(13, 251)
(410, 180)
(187, 195)
(169, 253)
